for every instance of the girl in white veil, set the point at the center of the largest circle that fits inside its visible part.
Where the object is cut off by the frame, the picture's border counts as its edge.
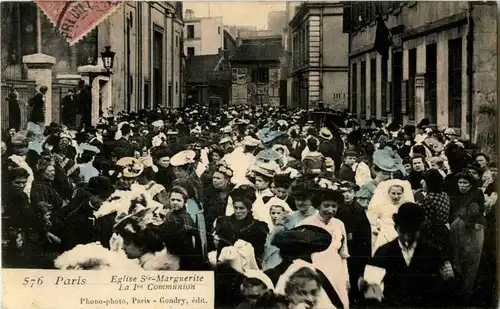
(288, 286)
(387, 198)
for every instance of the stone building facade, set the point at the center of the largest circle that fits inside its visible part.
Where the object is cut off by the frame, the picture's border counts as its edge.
(319, 56)
(202, 35)
(441, 63)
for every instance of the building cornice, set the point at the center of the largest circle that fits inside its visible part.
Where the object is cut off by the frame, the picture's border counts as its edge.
(305, 7)
(442, 24)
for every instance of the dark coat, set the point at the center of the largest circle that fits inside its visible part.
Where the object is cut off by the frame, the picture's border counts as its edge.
(14, 113)
(179, 230)
(346, 173)
(69, 110)
(359, 235)
(416, 285)
(229, 230)
(37, 105)
(215, 203)
(334, 149)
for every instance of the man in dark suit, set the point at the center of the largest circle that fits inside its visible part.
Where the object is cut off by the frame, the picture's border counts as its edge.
(417, 272)
(37, 106)
(84, 102)
(69, 109)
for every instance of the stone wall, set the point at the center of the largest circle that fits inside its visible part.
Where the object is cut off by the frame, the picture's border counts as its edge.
(413, 15)
(484, 63)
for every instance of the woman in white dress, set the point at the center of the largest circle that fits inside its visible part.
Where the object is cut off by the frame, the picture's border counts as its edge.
(387, 198)
(333, 261)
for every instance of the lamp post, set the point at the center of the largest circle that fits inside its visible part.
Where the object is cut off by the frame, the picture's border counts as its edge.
(108, 57)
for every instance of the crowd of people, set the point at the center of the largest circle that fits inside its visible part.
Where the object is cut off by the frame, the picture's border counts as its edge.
(286, 213)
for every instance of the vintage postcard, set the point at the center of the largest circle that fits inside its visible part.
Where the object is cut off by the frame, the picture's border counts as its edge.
(249, 155)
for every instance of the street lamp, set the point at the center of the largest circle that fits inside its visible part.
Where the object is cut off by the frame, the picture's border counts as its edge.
(108, 58)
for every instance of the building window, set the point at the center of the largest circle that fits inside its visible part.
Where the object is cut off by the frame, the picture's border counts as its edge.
(383, 105)
(218, 30)
(397, 93)
(190, 31)
(260, 75)
(363, 89)
(190, 51)
(158, 67)
(373, 88)
(176, 87)
(177, 41)
(412, 71)
(354, 87)
(455, 83)
(431, 83)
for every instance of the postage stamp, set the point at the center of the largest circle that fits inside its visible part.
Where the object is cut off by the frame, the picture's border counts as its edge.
(74, 19)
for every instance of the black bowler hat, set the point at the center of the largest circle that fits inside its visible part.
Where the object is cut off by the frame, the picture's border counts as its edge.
(409, 218)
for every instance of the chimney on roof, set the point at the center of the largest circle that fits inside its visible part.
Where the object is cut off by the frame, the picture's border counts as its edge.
(189, 14)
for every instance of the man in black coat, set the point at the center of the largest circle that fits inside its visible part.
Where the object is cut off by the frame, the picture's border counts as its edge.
(14, 110)
(37, 106)
(76, 222)
(69, 109)
(84, 103)
(417, 273)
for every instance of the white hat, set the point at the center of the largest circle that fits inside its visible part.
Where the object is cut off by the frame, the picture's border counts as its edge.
(182, 158)
(224, 140)
(158, 123)
(267, 169)
(250, 141)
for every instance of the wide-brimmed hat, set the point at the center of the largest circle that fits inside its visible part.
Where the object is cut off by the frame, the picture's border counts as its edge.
(136, 210)
(305, 239)
(434, 144)
(326, 194)
(348, 186)
(329, 163)
(182, 158)
(267, 169)
(268, 155)
(388, 160)
(302, 189)
(325, 133)
(132, 167)
(250, 141)
(89, 148)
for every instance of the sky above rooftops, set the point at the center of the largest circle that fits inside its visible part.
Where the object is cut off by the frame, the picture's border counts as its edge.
(237, 13)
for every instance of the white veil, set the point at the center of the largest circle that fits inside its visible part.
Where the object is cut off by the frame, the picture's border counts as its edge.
(380, 202)
(323, 299)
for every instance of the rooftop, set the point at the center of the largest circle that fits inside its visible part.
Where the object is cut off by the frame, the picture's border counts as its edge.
(198, 66)
(261, 49)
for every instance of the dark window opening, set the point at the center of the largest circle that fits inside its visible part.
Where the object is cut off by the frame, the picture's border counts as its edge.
(190, 31)
(354, 96)
(397, 77)
(383, 104)
(157, 68)
(373, 88)
(260, 75)
(455, 83)
(218, 30)
(362, 96)
(190, 51)
(412, 71)
(431, 83)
